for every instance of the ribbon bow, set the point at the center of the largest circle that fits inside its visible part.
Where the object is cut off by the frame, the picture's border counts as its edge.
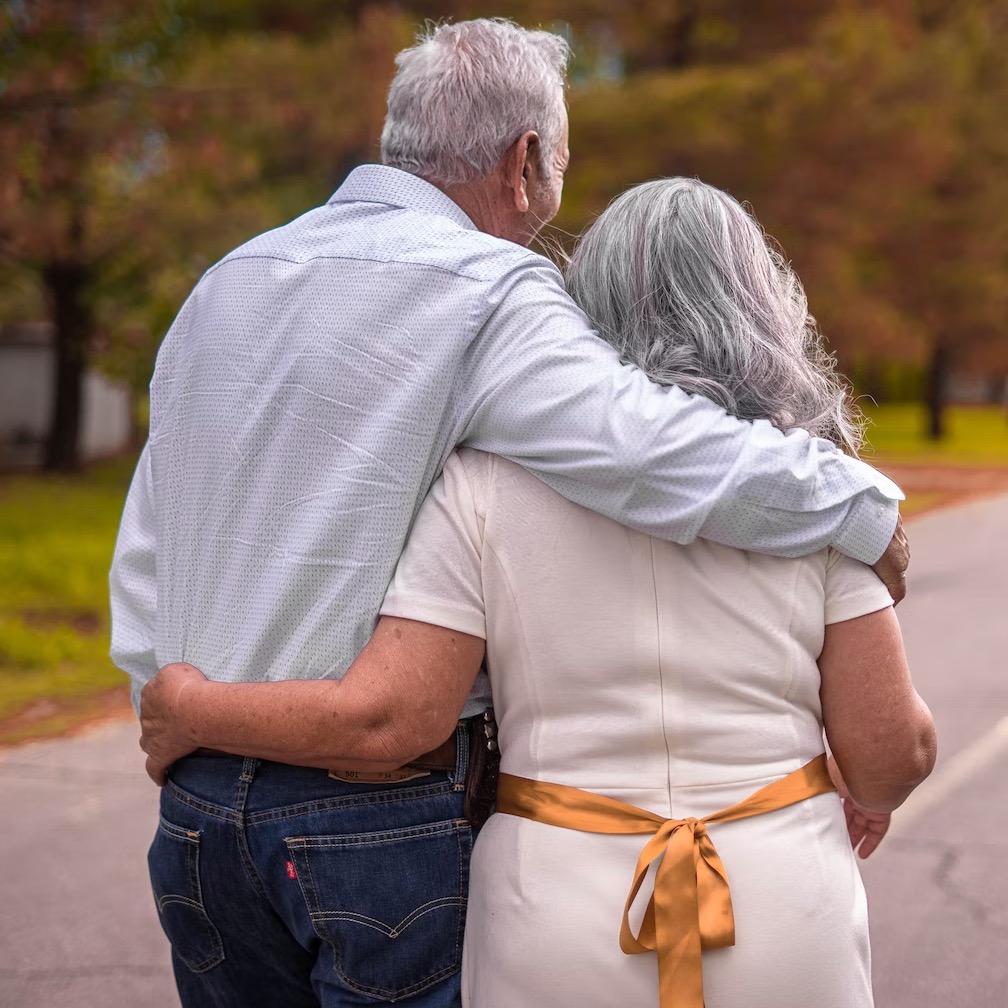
(690, 908)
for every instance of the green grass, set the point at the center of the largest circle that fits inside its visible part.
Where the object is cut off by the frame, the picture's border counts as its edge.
(56, 540)
(976, 436)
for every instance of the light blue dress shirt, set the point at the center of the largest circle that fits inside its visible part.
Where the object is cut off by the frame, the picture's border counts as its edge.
(317, 378)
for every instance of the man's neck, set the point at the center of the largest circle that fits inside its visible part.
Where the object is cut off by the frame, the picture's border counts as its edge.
(484, 202)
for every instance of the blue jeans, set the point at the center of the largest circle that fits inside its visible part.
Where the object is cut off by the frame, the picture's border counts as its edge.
(281, 887)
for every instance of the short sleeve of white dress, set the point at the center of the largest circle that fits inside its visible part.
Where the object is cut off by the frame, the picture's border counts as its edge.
(439, 576)
(852, 589)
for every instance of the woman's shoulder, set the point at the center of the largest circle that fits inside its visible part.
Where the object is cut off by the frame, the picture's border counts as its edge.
(470, 461)
(468, 479)
(852, 589)
(486, 472)
(470, 469)
(520, 501)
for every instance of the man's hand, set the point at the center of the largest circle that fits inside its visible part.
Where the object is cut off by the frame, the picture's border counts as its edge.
(892, 565)
(165, 736)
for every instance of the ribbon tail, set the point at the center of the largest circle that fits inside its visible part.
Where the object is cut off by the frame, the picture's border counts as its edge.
(678, 913)
(716, 914)
(646, 940)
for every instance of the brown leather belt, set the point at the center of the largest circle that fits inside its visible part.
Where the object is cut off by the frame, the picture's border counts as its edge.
(444, 758)
(480, 780)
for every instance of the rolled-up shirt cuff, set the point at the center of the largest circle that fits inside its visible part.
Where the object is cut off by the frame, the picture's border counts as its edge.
(869, 526)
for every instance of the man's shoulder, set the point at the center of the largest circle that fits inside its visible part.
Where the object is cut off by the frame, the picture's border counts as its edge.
(442, 244)
(295, 241)
(390, 235)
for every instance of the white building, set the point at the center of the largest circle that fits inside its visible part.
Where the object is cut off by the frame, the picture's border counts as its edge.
(27, 359)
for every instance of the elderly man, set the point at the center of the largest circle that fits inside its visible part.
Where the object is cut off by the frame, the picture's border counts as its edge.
(303, 402)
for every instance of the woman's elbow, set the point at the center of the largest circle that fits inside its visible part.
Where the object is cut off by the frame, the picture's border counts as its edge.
(395, 735)
(927, 749)
(922, 747)
(890, 782)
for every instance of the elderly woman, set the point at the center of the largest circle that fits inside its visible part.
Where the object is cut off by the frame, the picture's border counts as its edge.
(658, 704)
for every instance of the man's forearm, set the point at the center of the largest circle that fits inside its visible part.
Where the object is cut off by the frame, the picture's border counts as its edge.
(795, 477)
(555, 399)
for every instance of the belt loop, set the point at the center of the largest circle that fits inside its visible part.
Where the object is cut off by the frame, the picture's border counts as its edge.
(458, 778)
(249, 766)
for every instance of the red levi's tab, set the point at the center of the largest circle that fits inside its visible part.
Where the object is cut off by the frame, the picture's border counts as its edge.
(291, 871)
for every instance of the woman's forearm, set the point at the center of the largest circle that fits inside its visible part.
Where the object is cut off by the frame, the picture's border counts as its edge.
(400, 698)
(885, 786)
(879, 729)
(301, 722)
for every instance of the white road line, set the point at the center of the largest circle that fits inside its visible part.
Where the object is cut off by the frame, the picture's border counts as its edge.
(956, 772)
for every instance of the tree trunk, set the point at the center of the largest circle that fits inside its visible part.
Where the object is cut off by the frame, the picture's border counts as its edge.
(937, 385)
(66, 284)
(679, 40)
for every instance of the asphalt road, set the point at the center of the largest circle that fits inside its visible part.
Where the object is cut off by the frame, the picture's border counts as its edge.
(77, 921)
(78, 927)
(938, 887)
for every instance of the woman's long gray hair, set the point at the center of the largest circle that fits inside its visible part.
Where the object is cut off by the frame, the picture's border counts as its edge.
(682, 282)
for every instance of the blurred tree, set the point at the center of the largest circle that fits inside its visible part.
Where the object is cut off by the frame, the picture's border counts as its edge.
(79, 90)
(874, 150)
(948, 250)
(141, 140)
(147, 138)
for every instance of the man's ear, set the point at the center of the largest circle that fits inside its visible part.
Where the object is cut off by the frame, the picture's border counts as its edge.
(519, 169)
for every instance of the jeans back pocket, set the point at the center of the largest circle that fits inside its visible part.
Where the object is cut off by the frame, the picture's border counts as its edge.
(173, 861)
(391, 904)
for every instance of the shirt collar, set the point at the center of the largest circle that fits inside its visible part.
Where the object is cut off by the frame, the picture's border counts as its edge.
(374, 183)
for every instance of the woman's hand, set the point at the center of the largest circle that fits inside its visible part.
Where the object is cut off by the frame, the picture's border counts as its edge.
(165, 735)
(865, 829)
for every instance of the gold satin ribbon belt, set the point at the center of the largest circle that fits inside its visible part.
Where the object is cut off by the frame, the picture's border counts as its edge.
(690, 908)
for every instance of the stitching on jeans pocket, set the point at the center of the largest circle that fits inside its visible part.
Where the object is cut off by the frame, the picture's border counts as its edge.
(390, 904)
(173, 861)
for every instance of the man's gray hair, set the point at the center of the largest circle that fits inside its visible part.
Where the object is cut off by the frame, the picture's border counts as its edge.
(466, 92)
(681, 280)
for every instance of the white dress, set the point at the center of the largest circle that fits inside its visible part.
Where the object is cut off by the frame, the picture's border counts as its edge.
(676, 678)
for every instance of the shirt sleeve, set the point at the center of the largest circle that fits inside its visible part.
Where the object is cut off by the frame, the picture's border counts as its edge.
(852, 589)
(439, 577)
(133, 584)
(553, 397)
